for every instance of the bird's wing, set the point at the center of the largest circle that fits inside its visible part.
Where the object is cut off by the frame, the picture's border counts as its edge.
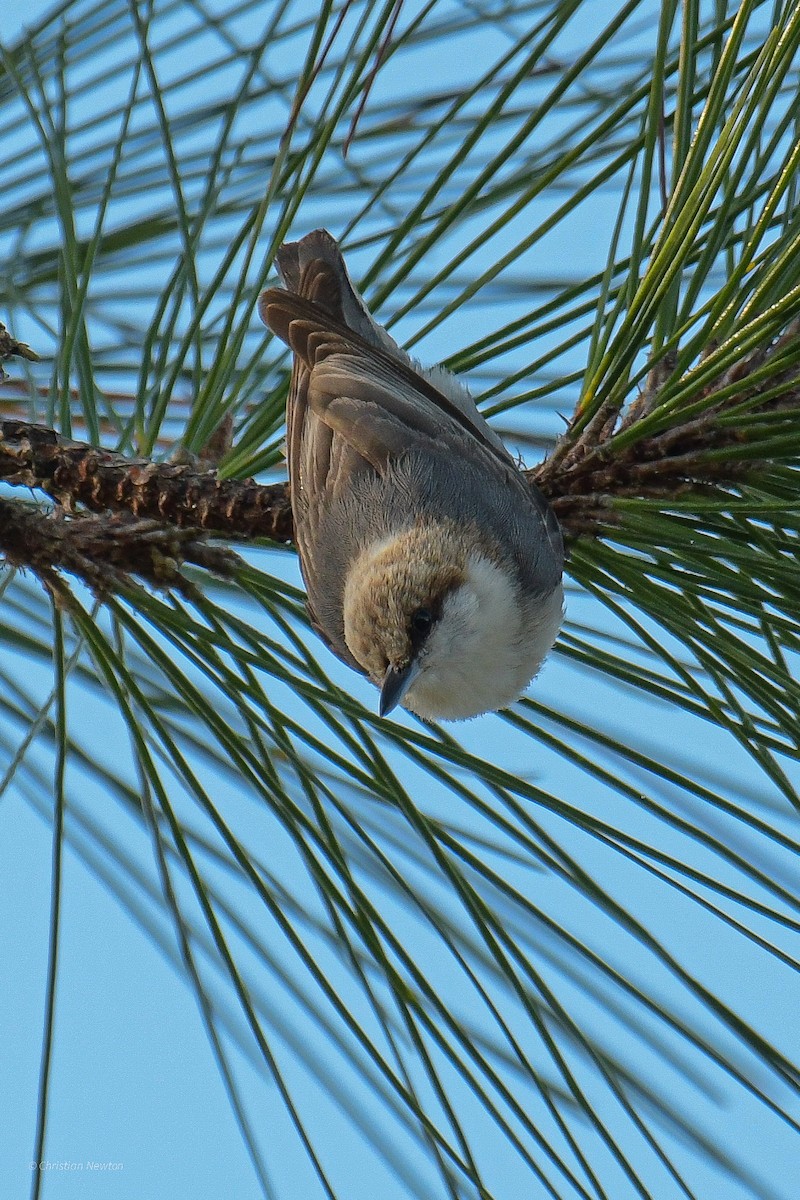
(373, 400)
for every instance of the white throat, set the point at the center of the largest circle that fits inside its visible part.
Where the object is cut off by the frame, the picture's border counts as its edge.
(485, 648)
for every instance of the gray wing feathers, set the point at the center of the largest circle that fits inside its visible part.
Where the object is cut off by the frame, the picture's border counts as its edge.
(294, 259)
(339, 361)
(300, 263)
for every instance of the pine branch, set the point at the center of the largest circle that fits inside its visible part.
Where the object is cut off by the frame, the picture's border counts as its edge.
(153, 516)
(698, 452)
(105, 552)
(181, 496)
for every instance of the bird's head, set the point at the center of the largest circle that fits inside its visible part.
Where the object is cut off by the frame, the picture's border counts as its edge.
(440, 626)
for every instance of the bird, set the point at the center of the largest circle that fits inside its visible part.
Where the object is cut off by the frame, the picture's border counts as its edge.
(431, 564)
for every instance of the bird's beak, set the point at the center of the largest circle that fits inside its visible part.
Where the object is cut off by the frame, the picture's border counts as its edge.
(396, 683)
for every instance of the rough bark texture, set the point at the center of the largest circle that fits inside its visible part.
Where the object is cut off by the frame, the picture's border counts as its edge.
(78, 475)
(106, 552)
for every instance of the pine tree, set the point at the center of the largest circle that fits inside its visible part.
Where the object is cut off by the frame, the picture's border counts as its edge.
(535, 955)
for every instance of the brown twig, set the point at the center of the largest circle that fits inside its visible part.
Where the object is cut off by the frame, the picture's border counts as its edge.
(11, 348)
(587, 472)
(105, 552)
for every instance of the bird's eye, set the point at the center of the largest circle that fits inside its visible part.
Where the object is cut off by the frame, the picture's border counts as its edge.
(421, 621)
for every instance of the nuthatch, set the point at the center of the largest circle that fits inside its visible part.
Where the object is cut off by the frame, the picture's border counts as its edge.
(431, 564)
